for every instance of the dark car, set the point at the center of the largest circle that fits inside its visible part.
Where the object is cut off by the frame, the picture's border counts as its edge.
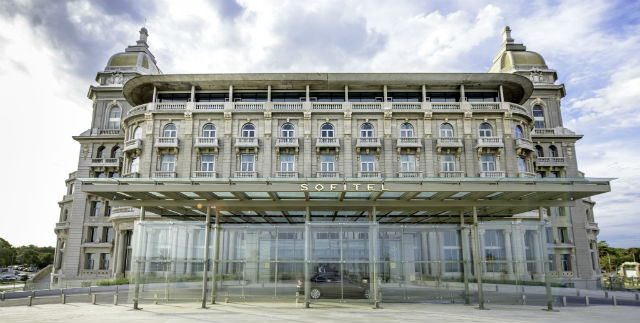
(332, 285)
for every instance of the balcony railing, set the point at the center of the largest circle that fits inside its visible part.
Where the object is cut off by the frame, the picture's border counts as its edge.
(368, 142)
(286, 142)
(62, 225)
(328, 174)
(204, 174)
(490, 142)
(131, 175)
(492, 174)
(133, 144)
(445, 105)
(105, 162)
(406, 105)
(485, 105)
(592, 226)
(327, 142)
(409, 142)
(163, 174)
(409, 174)
(166, 142)
(209, 105)
(124, 211)
(366, 106)
(138, 109)
(206, 142)
(449, 142)
(327, 105)
(526, 174)
(454, 174)
(170, 105)
(241, 174)
(523, 143)
(248, 105)
(515, 108)
(110, 131)
(287, 174)
(369, 174)
(247, 142)
(559, 131)
(287, 105)
(551, 161)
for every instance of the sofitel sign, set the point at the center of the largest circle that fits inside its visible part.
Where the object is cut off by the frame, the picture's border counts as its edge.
(343, 187)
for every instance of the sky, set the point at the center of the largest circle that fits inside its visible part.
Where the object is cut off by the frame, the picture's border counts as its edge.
(50, 52)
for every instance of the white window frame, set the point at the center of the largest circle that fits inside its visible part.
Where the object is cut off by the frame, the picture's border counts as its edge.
(366, 130)
(287, 130)
(327, 162)
(407, 162)
(446, 130)
(248, 130)
(208, 165)
(328, 132)
(247, 162)
(367, 163)
(485, 132)
(448, 163)
(170, 131)
(406, 130)
(488, 165)
(137, 133)
(209, 130)
(167, 162)
(113, 122)
(287, 162)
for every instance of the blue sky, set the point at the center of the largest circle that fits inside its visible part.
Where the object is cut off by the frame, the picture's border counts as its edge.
(51, 50)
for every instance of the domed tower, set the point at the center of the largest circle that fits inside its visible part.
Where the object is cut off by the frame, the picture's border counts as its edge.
(85, 232)
(573, 254)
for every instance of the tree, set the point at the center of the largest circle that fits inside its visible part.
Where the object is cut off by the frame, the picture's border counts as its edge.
(7, 253)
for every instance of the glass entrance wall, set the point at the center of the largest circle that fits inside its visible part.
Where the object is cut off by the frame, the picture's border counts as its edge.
(348, 262)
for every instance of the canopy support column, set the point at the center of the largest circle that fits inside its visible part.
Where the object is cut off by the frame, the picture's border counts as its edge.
(307, 257)
(373, 263)
(216, 250)
(465, 261)
(136, 292)
(476, 258)
(205, 259)
(543, 259)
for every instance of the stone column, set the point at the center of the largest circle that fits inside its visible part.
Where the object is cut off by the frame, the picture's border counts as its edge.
(190, 246)
(434, 254)
(205, 258)
(476, 258)
(508, 253)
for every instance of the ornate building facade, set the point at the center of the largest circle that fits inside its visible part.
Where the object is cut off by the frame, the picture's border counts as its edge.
(415, 175)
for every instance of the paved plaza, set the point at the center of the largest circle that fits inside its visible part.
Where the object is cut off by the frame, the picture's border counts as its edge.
(322, 312)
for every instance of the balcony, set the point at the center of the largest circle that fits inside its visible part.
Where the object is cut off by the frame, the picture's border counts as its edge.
(163, 174)
(133, 144)
(552, 132)
(206, 142)
(522, 143)
(104, 162)
(287, 106)
(369, 174)
(209, 105)
(327, 106)
(124, 212)
(489, 142)
(170, 105)
(247, 142)
(250, 106)
(241, 174)
(409, 142)
(327, 142)
(131, 175)
(366, 106)
(454, 174)
(204, 174)
(592, 226)
(62, 225)
(492, 174)
(526, 175)
(449, 142)
(286, 142)
(485, 105)
(406, 105)
(551, 161)
(287, 174)
(111, 132)
(445, 106)
(368, 142)
(328, 174)
(409, 174)
(166, 142)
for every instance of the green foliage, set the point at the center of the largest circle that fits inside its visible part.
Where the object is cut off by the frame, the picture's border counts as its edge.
(117, 281)
(25, 255)
(611, 258)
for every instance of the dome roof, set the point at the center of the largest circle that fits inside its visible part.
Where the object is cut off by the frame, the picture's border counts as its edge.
(515, 60)
(135, 58)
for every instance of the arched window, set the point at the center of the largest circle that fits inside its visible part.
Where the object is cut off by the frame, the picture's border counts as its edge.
(326, 131)
(100, 152)
(366, 130)
(115, 152)
(553, 151)
(114, 118)
(248, 130)
(209, 130)
(446, 130)
(518, 132)
(170, 130)
(134, 167)
(287, 130)
(137, 133)
(486, 130)
(538, 117)
(539, 151)
(406, 130)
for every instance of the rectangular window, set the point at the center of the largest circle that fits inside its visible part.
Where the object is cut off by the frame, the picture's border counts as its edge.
(327, 96)
(207, 163)
(482, 96)
(287, 162)
(408, 163)
(107, 209)
(563, 235)
(89, 259)
(522, 164)
(405, 96)
(494, 250)
(107, 234)
(444, 96)
(173, 97)
(212, 97)
(327, 162)
(549, 234)
(367, 163)
(247, 162)
(92, 234)
(168, 162)
(365, 96)
(104, 261)
(565, 262)
(288, 96)
(488, 162)
(452, 251)
(99, 174)
(552, 262)
(448, 163)
(95, 208)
